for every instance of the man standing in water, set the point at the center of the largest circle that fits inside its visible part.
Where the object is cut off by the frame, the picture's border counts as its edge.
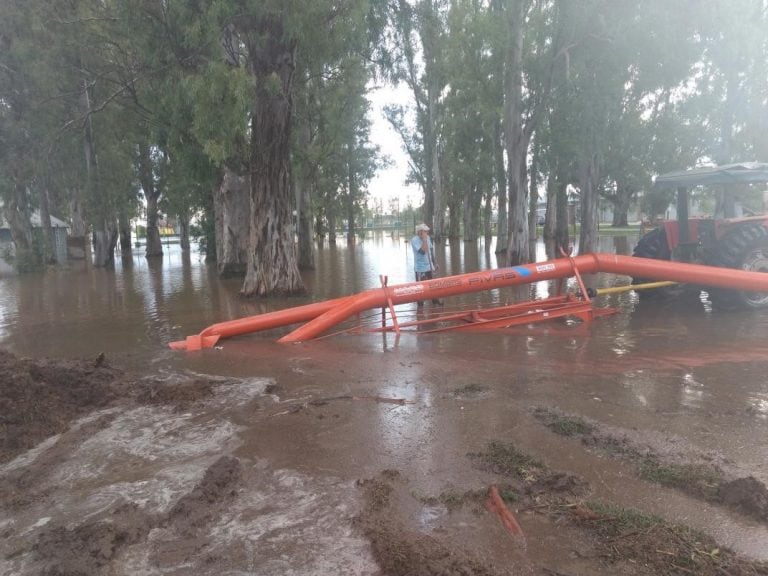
(423, 257)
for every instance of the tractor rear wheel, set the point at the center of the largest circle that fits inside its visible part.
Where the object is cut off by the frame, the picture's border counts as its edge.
(653, 245)
(744, 247)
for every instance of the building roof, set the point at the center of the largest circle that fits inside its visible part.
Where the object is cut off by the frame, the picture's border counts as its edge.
(35, 220)
(726, 174)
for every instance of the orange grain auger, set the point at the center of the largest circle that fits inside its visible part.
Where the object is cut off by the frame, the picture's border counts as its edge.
(321, 317)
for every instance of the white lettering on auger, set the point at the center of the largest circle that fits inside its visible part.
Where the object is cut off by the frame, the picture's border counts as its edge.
(404, 291)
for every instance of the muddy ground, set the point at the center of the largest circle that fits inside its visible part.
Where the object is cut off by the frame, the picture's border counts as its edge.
(104, 472)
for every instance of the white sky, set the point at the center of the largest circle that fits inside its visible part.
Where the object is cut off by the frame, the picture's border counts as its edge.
(389, 183)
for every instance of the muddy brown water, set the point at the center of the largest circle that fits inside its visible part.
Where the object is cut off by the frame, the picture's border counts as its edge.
(683, 377)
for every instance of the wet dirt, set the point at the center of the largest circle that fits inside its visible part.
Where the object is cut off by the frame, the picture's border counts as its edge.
(206, 524)
(668, 461)
(371, 454)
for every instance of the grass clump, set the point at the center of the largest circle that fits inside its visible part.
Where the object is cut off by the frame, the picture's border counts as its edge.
(562, 424)
(505, 459)
(625, 534)
(469, 390)
(571, 426)
(698, 479)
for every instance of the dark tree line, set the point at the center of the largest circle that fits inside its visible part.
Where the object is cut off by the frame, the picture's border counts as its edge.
(252, 115)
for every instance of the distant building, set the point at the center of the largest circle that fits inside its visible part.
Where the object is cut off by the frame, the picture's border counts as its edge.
(59, 233)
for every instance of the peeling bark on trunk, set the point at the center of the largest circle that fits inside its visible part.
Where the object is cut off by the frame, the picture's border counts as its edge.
(152, 195)
(232, 206)
(272, 266)
(516, 139)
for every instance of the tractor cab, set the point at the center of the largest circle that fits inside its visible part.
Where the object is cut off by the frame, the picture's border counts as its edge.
(728, 239)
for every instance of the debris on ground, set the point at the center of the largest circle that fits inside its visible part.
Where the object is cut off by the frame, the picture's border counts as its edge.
(695, 474)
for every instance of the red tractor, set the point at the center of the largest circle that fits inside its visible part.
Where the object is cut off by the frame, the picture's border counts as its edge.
(726, 240)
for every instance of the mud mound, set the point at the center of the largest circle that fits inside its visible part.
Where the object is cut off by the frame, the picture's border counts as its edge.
(629, 537)
(181, 395)
(747, 494)
(87, 548)
(217, 488)
(692, 473)
(39, 398)
(403, 552)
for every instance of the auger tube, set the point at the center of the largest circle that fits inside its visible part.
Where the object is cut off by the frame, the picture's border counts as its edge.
(322, 316)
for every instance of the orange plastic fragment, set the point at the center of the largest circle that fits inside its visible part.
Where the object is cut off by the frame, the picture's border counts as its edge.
(496, 504)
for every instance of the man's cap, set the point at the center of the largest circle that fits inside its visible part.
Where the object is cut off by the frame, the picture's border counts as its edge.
(422, 226)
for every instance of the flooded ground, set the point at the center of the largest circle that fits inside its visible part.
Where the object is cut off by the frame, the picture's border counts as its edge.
(372, 454)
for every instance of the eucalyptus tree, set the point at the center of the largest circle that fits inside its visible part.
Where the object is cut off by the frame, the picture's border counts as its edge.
(537, 45)
(416, 53)
(731, 84)
(27, 115)
(470, 114)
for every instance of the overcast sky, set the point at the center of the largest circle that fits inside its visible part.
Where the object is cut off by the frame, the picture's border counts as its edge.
(389, 183)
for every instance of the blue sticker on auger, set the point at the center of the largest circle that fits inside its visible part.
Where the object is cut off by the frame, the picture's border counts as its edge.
(522, 271)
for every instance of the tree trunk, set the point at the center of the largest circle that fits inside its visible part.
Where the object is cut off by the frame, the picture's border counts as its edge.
(77, 244)
(502, 223)
(18, 217)
(232, 204)
(562, 236)
(487, 213)
(621, 204)
(104, 243)
(272, 265)
(49, 250)
(470, 214)
(516, 139)
(454, 219)
(152, 196)
(105, 227)
(550, 217)
(331, 218)
(303, 187)
(183, 231)
(352, 193)
(589, 206)
(306, 230)
(620, 201)
(125, 235)
(533, 205)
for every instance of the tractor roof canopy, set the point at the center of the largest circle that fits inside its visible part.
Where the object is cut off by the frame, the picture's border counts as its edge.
(727, 174)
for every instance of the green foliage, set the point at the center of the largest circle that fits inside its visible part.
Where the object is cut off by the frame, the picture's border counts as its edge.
(221, 97)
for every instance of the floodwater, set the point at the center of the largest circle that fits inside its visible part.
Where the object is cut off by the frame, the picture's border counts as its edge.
(681, 377)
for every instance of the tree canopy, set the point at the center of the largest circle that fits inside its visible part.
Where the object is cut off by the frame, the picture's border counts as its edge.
(251, 117)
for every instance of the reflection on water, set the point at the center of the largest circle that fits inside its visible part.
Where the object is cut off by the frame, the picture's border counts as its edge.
(142, 305)
(678, 369)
